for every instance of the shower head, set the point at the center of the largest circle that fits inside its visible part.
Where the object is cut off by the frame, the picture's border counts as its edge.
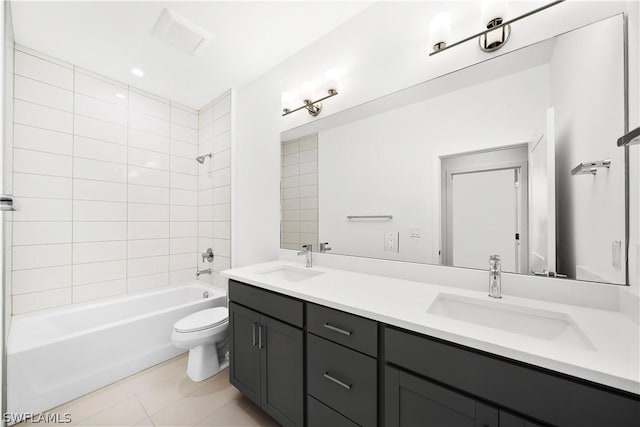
(200, 159)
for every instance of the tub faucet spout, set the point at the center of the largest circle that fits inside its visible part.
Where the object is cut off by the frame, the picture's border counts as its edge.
(199, 272)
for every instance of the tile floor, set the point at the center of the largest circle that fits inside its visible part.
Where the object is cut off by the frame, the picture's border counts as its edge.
(163, 395)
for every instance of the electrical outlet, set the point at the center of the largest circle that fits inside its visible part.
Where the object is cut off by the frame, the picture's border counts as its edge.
(416, 233)
(616, 254)
(391, 241)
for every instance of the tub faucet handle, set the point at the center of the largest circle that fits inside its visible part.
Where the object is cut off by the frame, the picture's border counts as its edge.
(208, 255)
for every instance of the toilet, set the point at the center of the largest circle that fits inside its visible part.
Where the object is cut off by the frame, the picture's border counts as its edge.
(205, 335)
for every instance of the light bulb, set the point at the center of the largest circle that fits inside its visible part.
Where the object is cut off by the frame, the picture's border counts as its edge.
(330, 81)
(286, 102)
(491, 10)
(440, 31)
(307, 91)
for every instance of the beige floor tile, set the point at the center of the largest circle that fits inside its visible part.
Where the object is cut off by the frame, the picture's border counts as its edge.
(146, 423)
(96, 402)
(240, 412)
(195, 407)
(167, 392)
(155, 375)
(127, 413)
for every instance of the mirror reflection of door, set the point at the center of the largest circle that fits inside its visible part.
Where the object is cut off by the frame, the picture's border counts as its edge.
(485, 208)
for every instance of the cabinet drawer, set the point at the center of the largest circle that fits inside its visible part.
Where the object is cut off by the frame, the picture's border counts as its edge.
(342, 379)
(320, 415)
(278, 306)
(347, 329)
(541, 394)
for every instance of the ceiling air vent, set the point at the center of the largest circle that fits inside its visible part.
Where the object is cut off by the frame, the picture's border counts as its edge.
(179, 31)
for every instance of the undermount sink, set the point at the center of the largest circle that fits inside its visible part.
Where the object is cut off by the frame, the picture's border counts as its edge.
(290, 274)
(542, 324)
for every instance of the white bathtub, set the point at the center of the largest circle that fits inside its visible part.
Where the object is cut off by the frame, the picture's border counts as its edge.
(58, 355)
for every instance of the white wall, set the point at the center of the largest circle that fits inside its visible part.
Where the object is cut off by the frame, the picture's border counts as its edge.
(390, 163)
(587, 89)
(214, 188)
(379, 51)
(107, 183)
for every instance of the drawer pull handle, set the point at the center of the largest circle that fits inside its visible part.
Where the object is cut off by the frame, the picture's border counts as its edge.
(338, 330)
(337, 381)
(253, 333)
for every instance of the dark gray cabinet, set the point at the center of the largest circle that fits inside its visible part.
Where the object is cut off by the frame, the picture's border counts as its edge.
(411, 401)
(266, 364)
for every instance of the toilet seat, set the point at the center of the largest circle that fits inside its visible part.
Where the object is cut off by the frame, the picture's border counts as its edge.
(202, 320)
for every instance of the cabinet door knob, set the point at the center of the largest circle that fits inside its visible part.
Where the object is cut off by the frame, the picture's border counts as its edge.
(337, 381)
(336, 329)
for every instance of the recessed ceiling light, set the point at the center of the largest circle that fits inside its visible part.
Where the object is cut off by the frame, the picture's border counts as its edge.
(119, 95)
(137, 72)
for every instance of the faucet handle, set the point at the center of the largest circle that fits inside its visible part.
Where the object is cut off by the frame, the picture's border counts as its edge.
(324, 247)
(207, 255)
(308, 247)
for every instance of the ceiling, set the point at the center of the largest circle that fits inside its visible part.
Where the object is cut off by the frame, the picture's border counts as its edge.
(111, 37)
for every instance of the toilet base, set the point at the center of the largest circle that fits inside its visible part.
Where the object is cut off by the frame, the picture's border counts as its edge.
(203, 362)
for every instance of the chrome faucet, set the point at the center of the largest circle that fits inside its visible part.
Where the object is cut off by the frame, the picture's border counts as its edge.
(495, 277)
(308, 251)
(324, 247)
(199, 272)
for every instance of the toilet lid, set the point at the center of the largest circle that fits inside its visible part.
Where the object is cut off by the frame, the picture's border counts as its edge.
(204, 319)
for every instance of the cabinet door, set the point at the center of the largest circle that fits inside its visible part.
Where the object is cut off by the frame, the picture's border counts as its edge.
(510, 420)
(412, 401)
(244, 353)
(282, 392)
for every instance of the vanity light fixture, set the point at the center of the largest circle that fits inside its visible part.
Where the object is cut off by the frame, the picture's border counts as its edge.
(137, 72)
(496, 34)
(308, 93)
(631, 138)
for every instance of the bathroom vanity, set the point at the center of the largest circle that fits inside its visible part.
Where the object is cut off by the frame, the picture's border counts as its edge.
(312, 349)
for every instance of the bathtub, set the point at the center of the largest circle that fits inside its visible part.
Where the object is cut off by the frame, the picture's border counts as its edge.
(57, 355)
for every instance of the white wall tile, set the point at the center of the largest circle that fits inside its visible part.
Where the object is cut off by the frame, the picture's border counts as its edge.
(41, 300)
(184, 229)
(145, 176)
(149, 159)
(42, 70)
(99, 272)
(141, 283)
(38, 256)
(88, 148)
(42, 140)
(148, 230)
(222, 142)
(149, 141)
(99, 129)
(41, 163)
(183, 261)
(205, 213)
(32, 209)
(183, 181)
(222, 212)
(184, 197)
(99, 290)
(99, 190)
(36, 115)
(99, 252)
(184, 213)
(221, 195)
(148, 212)
(96, 231)
(221, 125)
(27, 185)
(149, 123)
(183, 245)
(221, 177)
(184, 133)
(182, 165)
(221, 160)
(42, 93)
(205, 197)
(147, 248)
(222, 107)
(41, 233)
(205, 229)
(222, 247)
(150, 265)
(184, 118)
(84, 210)
(222, 230)
(181, 276)
(184, 149)
(101, 110)
(205, 117)
(144, 194)
(149, 105)
(99, 170)
(40, 279)
(101, 89)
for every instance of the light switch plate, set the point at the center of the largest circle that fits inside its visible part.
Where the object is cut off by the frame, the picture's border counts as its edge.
(616, 254)
(391, 241)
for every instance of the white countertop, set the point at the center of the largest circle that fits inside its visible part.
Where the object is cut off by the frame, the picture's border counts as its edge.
(614, 361)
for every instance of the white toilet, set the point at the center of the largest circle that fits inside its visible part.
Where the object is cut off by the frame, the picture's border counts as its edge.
(204, 334)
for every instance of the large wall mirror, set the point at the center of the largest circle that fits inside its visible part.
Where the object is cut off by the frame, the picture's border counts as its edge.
(514, 156)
